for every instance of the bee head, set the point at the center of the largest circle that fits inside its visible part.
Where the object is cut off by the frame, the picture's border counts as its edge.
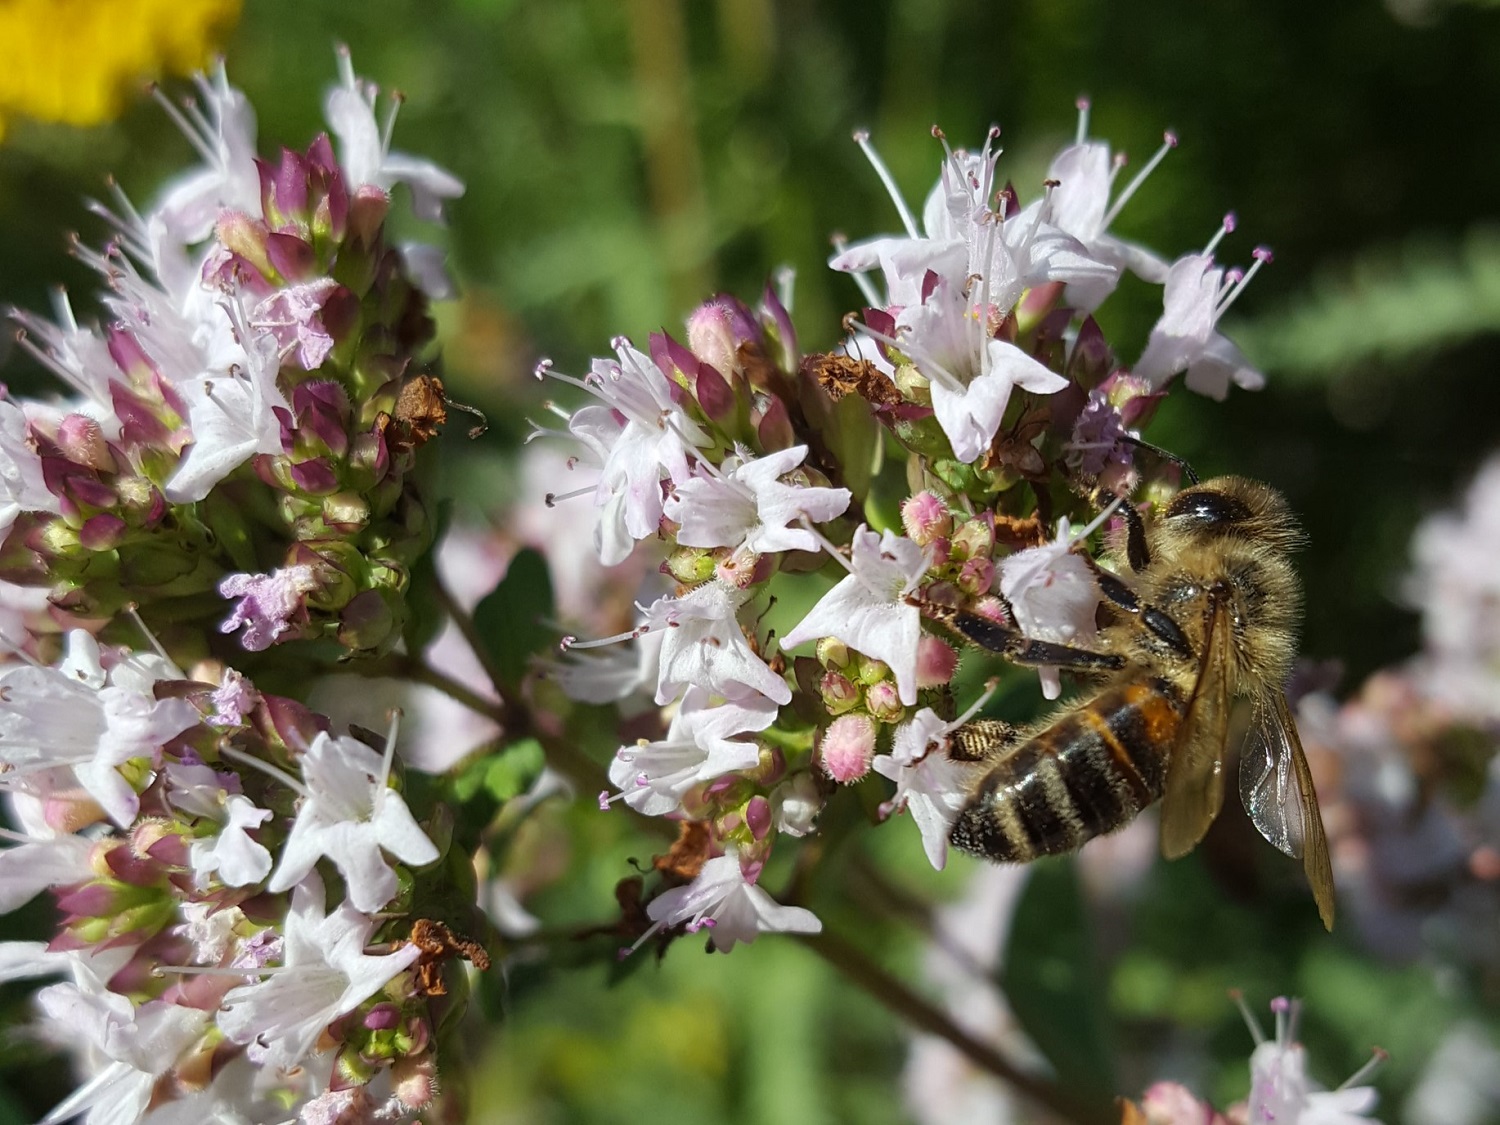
(1234, 507)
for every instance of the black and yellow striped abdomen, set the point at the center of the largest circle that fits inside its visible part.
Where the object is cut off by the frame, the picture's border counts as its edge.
(1088, 773)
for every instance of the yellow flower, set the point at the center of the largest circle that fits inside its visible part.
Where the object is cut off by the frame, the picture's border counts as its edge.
(76, 61)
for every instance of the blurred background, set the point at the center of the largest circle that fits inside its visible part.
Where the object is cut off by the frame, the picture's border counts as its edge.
(626, 159)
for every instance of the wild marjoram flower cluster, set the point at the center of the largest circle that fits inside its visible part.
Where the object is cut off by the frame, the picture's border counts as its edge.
(974, 402)
(225, 506)
(234, 455)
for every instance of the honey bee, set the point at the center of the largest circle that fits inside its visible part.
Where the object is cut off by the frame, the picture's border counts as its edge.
(1209, 613)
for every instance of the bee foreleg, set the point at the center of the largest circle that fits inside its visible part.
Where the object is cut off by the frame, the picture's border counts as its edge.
(1137, 554)
(1017, 647)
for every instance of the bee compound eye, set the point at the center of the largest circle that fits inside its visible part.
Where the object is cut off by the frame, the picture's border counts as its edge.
(1207, 507)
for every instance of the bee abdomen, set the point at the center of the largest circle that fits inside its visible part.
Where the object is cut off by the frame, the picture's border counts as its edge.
(1089, 773)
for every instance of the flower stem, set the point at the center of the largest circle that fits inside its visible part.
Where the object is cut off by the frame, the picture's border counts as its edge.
(464, 620)
(858, 968)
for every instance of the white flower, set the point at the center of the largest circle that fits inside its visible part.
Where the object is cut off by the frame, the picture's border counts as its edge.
(745, 505)
(22, 486)
(77, 717)
(971, 373)
(796, 804)
(222, 129)
(1186, 339)
(364, 151)
(26, 870)
(141, 1045)
(929, 785)
(1079, 205)
(239, 860)
(967, 237)
(350, 814)
(232, 417)
(703, 646)
(732, 908)
(1053, 596)
(610, 675)
(1281, 1093)
(868, 610)
(700, 745)
(324, 974)
(639, 435)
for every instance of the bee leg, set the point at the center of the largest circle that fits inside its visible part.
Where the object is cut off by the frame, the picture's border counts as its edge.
(982, 740)
(1015, 646)
(1153, 620)
(1158, 451)
(1137, 554)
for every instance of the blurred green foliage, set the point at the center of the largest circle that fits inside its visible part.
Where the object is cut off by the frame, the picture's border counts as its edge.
(626, 158)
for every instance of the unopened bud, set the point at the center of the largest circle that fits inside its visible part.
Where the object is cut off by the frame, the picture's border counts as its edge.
(976, 577)
(937, 660)
(839, 693)
(884, 701)
(926, 518)
(975, 538)
(690, 565)
(871, 671)
(847, 748)
(833, 653)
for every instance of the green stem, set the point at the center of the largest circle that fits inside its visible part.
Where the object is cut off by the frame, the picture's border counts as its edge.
(859, 969)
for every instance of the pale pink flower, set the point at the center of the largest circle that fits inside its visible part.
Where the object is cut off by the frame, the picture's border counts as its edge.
(704, 646)
(324, 973)
(929, 784)
(729, 905)
(238, 860)
(1052, 595)
(701, 744)
(1186, 338)
(269, 603)
(868, 610)
(350, 814)
(746, 506)
(364, 147)
(78, 717)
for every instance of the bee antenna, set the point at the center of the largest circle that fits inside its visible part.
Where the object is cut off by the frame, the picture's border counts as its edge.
(1181, 463)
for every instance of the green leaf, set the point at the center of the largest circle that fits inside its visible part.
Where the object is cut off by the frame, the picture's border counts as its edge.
(1390, 304)
(502, 775)
(1052, 980)
(511, 620)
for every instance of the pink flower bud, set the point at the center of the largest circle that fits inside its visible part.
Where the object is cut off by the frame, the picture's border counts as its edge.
(774, 426)
(715, 331)
(976, 577)
(758, 816)
(991, 608)
(414, 1081)
(926, 518)
(80, 438)
(839, 693)
(847, 748)
(975, 538)
(937, 660)
(884, 701)
(1167, 1103)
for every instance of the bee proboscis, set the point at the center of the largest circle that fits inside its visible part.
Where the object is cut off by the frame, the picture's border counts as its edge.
(1208, 613)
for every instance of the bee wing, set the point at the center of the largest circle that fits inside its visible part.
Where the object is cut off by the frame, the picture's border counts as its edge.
(1277, 789)
(1195, 772)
